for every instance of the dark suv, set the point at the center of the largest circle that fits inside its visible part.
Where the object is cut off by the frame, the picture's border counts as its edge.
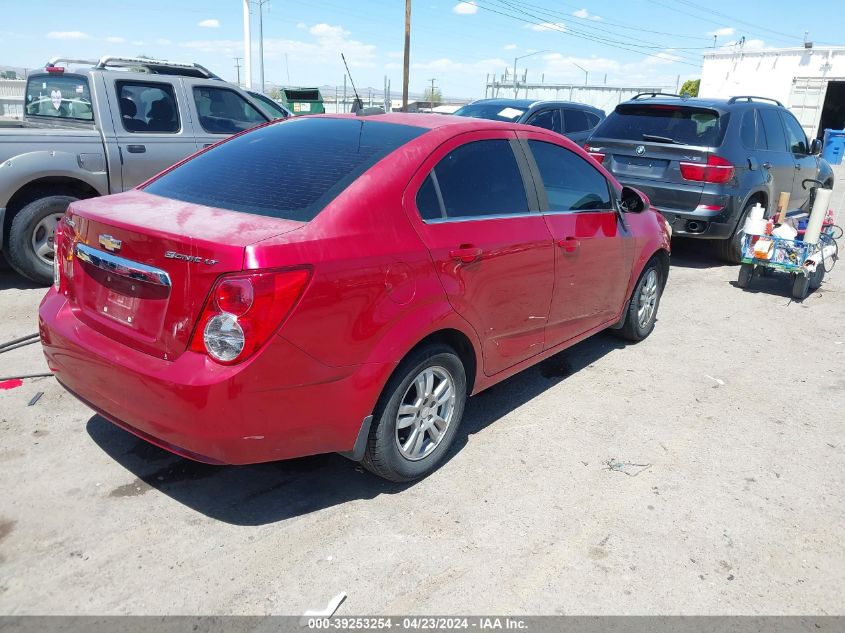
(576, 121)
(705, 162)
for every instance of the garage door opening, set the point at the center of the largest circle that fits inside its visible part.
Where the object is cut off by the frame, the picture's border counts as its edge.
(833, 110)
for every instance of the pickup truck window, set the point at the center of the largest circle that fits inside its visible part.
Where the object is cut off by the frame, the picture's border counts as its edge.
(147, 107)
(224, 111)
(59, 96)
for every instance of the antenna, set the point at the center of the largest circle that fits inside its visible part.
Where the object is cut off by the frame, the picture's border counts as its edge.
(358, 102)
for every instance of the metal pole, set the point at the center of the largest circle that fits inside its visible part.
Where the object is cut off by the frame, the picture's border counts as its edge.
(247, 47)
(514, 76)
(238, 67)
(344, 93)
(407, 61)
(261, 43)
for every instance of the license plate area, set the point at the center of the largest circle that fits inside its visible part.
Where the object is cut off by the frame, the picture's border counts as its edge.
(642, 167)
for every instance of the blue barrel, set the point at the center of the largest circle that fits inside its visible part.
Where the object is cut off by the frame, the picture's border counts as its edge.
(834, 146)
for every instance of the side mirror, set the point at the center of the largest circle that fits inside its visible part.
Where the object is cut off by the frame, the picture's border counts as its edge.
(633, 201)
(816, 147)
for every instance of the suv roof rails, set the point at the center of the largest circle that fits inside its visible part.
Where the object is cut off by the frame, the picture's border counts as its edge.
(156, 66)
(751, 98)
(656, 94)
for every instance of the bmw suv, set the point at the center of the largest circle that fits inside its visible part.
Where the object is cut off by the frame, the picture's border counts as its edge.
(705, 162)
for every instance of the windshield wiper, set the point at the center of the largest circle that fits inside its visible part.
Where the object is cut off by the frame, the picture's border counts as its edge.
(661, 139)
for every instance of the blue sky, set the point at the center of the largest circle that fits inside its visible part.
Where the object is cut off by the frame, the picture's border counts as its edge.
(456, 43)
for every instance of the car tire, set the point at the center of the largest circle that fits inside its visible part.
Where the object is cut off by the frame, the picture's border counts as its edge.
(800, 287)
(730, 250)
(30, 247)
(402, 445)
(641, 313)
(746, 273)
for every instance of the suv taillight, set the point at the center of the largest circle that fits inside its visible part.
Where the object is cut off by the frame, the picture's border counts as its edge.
(599, 156)
(244, 310)
(715, 170)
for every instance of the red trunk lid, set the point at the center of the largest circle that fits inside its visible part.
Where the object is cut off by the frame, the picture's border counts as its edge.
(143, 265)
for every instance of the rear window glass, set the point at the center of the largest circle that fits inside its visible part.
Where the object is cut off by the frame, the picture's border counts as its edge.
(660, 123)
(492, 111)
(60, 96)
(288, 170)
(302, 95)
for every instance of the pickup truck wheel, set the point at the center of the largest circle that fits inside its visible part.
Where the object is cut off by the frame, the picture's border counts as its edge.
(642, 308)
(418, 414)
(30, 249)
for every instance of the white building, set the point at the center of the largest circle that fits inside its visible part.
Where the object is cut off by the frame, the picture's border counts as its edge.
(809, 81)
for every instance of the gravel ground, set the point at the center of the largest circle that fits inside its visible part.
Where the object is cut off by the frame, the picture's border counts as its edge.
(699, 472)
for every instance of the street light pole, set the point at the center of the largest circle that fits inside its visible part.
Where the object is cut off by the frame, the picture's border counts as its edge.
(247, 48)
(516, 59)
(586, 74)
(407, 57)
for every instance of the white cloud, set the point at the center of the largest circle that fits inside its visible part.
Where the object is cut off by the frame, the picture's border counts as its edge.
(723, 32)
(210, 23)
(302, 26)
(547, 26)
(511, 47)
(67, 35)
(112, 39)
(163, 42)
(465, 8)
(583, 13)
(324, 47)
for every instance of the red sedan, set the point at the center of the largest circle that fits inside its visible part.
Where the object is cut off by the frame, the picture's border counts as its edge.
(343, 283)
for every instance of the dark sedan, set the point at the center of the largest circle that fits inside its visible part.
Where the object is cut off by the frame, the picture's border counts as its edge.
(576, 121)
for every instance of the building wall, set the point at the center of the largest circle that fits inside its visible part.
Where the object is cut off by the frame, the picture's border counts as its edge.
(603, 97)
(11, 97)
(767, 73)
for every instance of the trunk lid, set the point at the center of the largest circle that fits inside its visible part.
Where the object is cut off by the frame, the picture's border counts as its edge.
(143, 265)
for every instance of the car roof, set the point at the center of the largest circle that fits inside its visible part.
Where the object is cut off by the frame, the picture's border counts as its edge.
(428, 121)
(530, 103)
(701, 102)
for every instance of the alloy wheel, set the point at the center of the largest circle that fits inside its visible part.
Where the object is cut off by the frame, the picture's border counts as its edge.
(44, 236)
(425, 413)
(647, 301)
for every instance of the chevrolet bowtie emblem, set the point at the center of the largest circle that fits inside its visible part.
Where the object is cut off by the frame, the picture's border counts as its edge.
(109, 243)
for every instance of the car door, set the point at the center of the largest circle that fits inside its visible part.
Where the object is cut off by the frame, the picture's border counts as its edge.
(474, 207)
(806, 165)
(219, 112)
(593, 249)
(776, 158)
(152, 130)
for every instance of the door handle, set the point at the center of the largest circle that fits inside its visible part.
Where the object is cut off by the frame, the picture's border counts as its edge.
(767, 165)
(797, 165)
(466, 254)
(136, 149)
(207, 145)
(569, 245)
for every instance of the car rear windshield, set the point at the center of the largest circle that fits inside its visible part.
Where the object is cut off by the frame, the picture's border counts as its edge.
(59, 96)
(289, 170)
(661, 123)
(492, 111)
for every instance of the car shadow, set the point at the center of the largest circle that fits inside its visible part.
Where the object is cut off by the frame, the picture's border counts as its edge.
(9, 279)
(266, 493)
(692, 253)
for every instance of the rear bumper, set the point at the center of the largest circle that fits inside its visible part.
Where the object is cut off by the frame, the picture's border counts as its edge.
(279, 404)
(699, 224)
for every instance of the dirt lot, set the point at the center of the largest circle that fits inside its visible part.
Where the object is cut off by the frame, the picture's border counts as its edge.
(699, 472)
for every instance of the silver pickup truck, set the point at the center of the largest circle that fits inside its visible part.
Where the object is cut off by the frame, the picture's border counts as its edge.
(104, 128)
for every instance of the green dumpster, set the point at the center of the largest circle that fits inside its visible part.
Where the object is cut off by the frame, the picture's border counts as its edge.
(303, 100)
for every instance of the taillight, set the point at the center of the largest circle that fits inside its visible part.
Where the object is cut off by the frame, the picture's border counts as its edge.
(244, 310)
(715, 170)
(599, 156)
(58, 255)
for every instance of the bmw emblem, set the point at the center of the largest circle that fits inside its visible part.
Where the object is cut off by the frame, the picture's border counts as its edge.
(640, 150)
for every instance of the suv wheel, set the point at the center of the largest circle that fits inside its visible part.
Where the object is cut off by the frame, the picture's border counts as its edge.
(30, 248)
(730, 249)
(417, 415)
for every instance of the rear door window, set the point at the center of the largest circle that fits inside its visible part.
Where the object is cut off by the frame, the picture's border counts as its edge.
(571, 183)
(253, 174)
(773, 129)
(224, 111)
(481, 178)
(548, 119)
(59, 95)
(664, 123)
(147, 107)
(575, 120)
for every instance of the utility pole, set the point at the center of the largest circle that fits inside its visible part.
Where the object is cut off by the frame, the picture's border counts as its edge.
(406, 64)
(238, 67)
(261, 4)
(247, 48)
(431, 96)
